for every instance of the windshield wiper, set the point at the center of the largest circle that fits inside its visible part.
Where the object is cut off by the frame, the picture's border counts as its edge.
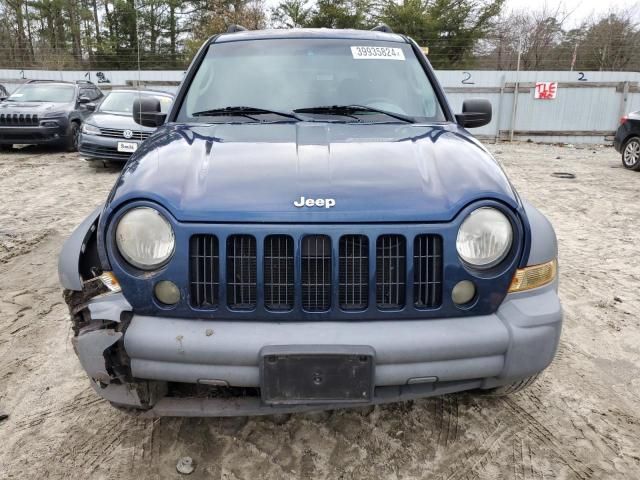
(350, 110)
(243, 112)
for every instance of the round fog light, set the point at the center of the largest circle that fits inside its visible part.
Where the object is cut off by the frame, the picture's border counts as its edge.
(167, 292)
(463, 292)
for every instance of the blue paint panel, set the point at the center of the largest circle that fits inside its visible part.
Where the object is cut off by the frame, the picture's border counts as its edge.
(253, 172)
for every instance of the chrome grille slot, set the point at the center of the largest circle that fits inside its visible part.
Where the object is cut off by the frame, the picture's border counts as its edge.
(278, 272)
(427, 271)
(353, 267)
(316, 273)
(391, 271)
(241, 272)
(204, 259)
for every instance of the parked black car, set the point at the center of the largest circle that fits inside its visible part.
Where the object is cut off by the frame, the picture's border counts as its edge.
(3, 92)
(627, 140)
(110, 133)
(47, 112)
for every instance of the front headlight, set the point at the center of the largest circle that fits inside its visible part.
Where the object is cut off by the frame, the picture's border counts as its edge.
(54, 114)
(484, 238)
(90, 129)
(145, 238)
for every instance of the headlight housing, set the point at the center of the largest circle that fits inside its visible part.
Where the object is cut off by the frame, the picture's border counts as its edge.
(90, 129)
(144, 238)
(484, 238)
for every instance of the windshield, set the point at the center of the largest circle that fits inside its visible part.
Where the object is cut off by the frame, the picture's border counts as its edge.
(43, 92)
(292, 74)
(122, 102)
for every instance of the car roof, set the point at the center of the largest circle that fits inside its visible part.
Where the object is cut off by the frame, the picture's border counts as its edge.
(346, 34)
(52, 82)
(147, 92)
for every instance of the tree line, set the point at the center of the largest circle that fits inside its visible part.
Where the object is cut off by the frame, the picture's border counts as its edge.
(165, 34)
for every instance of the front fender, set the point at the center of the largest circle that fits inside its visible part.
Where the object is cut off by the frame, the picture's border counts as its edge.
(73, 249)
(544, 244)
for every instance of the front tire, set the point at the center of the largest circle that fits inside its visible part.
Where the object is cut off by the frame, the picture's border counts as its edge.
(511, 387)
(631, 154)
(71, 144)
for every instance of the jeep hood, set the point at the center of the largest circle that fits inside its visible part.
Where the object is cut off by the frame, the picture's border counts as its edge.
(255, 172)
(31, 107)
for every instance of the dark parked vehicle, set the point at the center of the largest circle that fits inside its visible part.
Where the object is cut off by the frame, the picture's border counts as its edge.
(311, 227)
(4, 93)
(110, 133)
(47, 112)
(627, 140)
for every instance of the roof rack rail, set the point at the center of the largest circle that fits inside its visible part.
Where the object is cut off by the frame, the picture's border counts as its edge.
(35, 80)
(383, 27)
(236, 28)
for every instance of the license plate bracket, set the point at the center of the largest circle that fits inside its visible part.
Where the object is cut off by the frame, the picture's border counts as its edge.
(311, 374)
(128, 147)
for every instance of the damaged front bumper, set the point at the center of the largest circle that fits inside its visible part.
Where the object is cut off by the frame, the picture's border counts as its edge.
(143, 362)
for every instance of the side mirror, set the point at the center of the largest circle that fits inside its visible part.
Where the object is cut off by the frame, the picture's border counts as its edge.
(83, 99)
(90, 106)
(146, 112)
(476, 112)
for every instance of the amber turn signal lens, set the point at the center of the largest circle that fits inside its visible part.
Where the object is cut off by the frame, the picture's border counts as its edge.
(110, 281)
(534, 276)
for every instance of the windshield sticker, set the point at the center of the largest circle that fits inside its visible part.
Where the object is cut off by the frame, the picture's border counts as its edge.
(377, 53)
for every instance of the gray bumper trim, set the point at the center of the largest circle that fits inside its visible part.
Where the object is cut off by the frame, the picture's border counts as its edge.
(519, 339)
(454, 354)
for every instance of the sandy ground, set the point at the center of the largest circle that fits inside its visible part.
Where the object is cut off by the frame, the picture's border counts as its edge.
(581, 421)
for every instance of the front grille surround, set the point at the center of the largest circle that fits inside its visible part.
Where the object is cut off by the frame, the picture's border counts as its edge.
(491, 288)
(317, 273)
(119, 134)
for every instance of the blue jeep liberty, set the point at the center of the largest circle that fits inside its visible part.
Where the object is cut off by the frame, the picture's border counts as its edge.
(310, 227)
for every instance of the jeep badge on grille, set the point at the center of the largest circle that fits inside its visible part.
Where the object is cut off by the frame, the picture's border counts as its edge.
(317, 202)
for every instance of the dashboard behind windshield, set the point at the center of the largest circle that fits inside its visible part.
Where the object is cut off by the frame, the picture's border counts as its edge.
(122, 102)
(290, 74)
(44, 93)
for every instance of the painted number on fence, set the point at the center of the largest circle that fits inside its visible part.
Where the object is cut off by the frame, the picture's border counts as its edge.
(546, 90)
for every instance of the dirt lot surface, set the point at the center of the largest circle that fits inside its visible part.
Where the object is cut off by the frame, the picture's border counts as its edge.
(581, 421)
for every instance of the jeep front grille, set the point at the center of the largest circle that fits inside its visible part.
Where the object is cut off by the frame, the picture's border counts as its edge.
(241, 272)
(316, 273)
(353, 266)
(300, 272)
(19, 120)
(204, 270)
(391, 268)
(278, 272)
(427, 271)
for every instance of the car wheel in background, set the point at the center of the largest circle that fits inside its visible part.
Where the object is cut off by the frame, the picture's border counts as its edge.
(73, 137)
(511, 387)
(631, 154)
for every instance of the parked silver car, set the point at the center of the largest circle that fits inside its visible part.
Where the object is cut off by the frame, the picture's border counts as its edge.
(110, 133)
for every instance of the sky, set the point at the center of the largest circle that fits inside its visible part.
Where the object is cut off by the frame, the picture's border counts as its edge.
(578, 10)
